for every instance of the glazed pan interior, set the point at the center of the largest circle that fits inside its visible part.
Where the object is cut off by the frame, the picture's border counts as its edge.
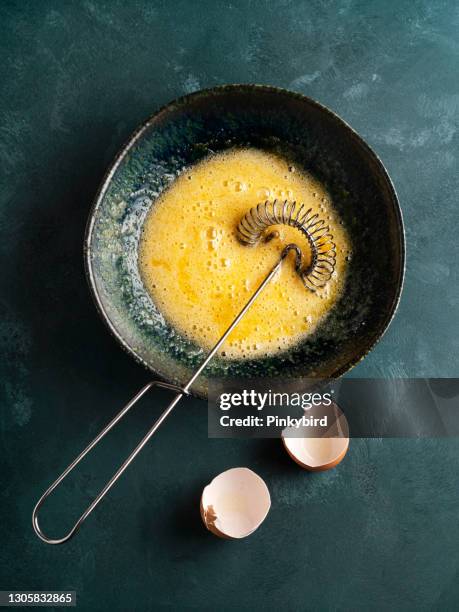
(274, 120)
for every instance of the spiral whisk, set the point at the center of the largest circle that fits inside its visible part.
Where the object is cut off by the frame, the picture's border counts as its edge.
(251, 229)
(254, 224)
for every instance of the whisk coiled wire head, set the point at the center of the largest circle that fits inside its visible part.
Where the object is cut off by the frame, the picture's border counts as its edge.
(252, 227)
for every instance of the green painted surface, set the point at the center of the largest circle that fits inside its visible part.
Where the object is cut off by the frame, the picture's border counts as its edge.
(380, 531)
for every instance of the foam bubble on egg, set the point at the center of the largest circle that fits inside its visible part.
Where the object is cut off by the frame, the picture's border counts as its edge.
(235, 503)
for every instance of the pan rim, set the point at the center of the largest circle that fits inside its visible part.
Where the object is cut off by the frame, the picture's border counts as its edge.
(182, 100)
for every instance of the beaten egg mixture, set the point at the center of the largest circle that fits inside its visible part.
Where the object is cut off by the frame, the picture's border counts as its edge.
(200, 276)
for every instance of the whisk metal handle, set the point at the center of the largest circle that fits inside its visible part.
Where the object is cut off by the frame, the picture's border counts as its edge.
(180, 393)
(119, 471)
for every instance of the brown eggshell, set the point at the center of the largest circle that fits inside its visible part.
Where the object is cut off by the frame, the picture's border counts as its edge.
(303, 462)
(238, 500)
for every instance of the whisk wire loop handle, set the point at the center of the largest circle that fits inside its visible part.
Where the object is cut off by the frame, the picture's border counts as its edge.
(117, 474)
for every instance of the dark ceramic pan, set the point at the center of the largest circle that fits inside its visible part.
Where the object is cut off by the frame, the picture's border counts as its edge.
(273, 119)
(184, 132)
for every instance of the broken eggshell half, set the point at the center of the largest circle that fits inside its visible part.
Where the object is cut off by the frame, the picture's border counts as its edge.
(318, 454)
(235, 503)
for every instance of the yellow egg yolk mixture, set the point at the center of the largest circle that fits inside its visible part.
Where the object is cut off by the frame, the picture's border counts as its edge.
(200, 276)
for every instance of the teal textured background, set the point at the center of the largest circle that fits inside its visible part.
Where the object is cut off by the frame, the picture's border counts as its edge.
(76, 78)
